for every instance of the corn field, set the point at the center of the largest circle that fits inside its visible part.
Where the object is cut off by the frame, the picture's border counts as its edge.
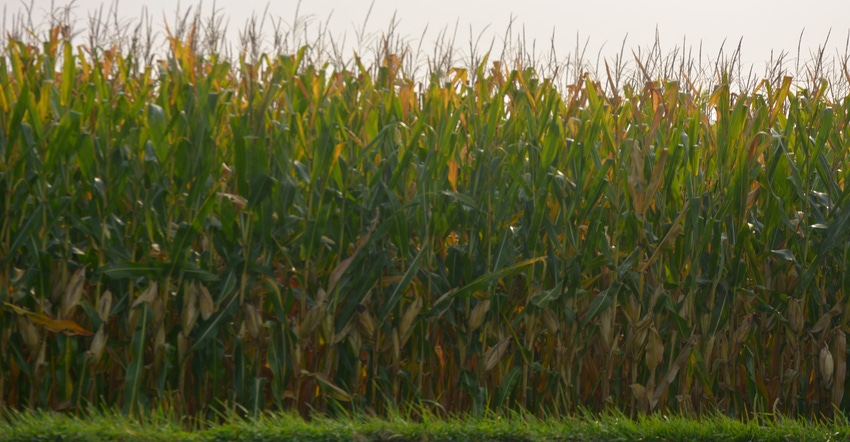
(198, 234)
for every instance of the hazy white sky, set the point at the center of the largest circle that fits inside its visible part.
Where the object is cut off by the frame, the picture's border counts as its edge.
(763, 25)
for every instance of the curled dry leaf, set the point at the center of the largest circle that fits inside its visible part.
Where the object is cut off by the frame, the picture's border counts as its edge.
(826, 319)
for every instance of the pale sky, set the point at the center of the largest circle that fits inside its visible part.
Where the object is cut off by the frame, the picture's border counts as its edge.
(763, 25)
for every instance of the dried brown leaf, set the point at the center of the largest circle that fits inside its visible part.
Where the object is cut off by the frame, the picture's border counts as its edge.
(826, 319)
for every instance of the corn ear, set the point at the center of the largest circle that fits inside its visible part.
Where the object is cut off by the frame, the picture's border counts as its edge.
(104, 305)
(148, 295)
(312, 320)
(654, 348)
(495, 354)
(73, 293)
(205, 301)
(190, 307)
(98, 345)
(827, 366)
(476, 317)
(28, 331)
(252, 319)
(365, 322)
(549, 321)
(795, 316)
(409, 317)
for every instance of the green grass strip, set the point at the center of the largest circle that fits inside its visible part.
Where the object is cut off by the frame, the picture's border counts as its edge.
(45, 426)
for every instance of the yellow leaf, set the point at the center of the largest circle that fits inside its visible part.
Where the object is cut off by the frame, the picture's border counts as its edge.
(67, 326)
(453, 174)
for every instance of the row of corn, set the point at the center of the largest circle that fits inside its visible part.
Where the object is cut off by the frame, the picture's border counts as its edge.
(199, 234)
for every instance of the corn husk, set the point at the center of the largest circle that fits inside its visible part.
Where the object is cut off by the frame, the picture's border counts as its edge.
(73, 293)
(495, 354)
(205, 302)
(476, 317)
(827, 366)
(104, 305)
(98, 345)
(190, 307)
(654, 348)
(253, 322)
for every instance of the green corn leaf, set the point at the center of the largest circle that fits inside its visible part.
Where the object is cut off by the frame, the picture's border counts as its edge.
(135, 370)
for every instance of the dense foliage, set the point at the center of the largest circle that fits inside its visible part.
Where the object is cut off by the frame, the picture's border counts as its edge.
(195, 233)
